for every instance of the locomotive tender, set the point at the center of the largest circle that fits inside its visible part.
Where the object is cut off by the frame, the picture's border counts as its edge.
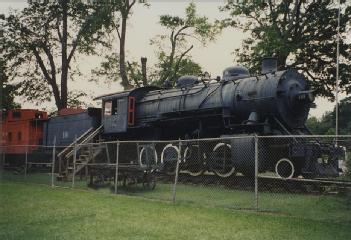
(238, 105)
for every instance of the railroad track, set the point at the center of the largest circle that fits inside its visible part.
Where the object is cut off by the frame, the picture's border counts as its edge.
(265, 183)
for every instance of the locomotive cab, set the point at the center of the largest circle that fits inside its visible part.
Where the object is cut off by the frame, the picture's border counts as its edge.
(119, 109)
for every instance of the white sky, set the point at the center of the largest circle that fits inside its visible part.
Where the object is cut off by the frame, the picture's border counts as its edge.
(143, 26)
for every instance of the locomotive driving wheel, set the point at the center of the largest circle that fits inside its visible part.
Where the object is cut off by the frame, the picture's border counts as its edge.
(221, 163)
(169, 158)
(194, 160)
(148, 156)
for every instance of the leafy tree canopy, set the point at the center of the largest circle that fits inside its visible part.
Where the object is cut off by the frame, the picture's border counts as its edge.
(173, 51)
(300, 33)
(41, 42)
(174, 55)
(109, 71)
(185, 66)
(326, 125)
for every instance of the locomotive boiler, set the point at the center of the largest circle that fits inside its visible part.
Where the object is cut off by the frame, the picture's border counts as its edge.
(237, 105)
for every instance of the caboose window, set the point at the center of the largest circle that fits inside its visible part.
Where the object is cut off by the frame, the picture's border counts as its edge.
(19, 136)
(10, 136)
(108, 108)
(114, 107)
(16, 114)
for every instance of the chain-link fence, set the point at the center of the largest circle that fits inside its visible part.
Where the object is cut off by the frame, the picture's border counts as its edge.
(305, 176)
(295, 175)
(31, 164)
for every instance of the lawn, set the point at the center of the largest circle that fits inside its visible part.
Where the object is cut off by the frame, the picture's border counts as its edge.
(30, 211)
(329, 208)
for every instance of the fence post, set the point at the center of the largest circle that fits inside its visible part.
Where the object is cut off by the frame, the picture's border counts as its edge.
(74, 160)
(116, 174)
(177, 172)
(53, 163)
(138, 154)
(26, 163)
(256, 172)
(2, 157)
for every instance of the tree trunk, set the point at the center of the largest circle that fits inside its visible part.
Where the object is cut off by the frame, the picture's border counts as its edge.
(122, 62)
(171, 59)
(56, 92)
(64, 73)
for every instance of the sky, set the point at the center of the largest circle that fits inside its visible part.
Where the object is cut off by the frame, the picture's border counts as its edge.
(143, 26)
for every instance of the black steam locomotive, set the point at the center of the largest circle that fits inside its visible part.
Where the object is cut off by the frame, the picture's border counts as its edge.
(238, 106)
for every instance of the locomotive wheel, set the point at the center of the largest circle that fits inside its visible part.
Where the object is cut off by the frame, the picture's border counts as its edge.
(193, 164)
(221, 162)
(169, 158)
(285, 168)
(143, 158)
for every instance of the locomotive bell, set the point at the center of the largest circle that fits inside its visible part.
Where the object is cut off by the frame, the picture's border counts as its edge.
(234, 73)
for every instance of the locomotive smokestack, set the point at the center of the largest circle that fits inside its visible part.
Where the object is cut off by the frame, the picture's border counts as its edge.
(143, 70)
(269, 65)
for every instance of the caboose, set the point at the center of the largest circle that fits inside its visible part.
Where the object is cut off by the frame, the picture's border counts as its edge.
(22, 131)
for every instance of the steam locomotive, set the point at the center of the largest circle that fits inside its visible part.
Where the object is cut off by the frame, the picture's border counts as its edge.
(237, 106)
(234, 108)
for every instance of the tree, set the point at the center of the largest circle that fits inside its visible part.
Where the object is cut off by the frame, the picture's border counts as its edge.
(185, 66)
(303, 32)
(7, 91)
(170, 65)
(181, 30)
(42, 41)
(124, 8)
(109, 71)
(326, 125)
(121, 11)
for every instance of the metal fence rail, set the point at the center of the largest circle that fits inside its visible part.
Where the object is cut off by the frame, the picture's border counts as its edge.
(197, 171)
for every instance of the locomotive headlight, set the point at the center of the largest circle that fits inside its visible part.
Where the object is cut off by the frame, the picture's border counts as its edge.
(305, 96)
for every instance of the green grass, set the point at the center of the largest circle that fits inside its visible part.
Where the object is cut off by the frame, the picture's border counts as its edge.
(328, 208)
(39, 212)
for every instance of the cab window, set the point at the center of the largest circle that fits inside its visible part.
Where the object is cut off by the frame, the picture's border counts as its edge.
(114, 107)
(108, 108)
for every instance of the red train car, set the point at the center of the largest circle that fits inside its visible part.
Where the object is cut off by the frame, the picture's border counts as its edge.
(21, 127)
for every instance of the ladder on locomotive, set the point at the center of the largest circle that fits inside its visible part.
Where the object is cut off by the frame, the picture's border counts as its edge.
(86, 152)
